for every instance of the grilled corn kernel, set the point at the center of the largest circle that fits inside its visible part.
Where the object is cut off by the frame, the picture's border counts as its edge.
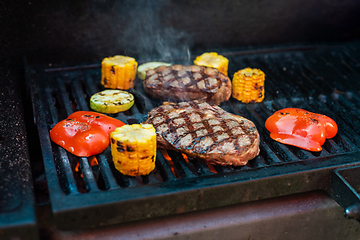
(213, 60)
(118, 72)
(248, 85)
(133, 149)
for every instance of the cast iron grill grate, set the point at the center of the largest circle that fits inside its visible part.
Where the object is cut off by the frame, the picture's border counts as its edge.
(93, 191)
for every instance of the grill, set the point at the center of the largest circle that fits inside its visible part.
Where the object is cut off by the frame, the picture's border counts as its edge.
(322, 79)
(50, 66)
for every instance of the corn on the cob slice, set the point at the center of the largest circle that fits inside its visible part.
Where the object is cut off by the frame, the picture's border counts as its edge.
(118, 72)
(111, 101)
(248, 85)
(213, 60)
(133, 149)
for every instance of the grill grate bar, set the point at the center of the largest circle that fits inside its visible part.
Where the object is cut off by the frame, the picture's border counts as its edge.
(351, 97)
(219, 169)
(259, 162)
(336, 64)
(134, 181)
(291, 72)
(163, 167)
(332, 147)
(352, 64)
(203, 169)
(69, 179)
(49, 99)
(181, 165)
(151, 178)
(330, 109)
(283, 88)
(344, 118)
(89, 83)
(76, 90)
(268, 154)
(345, 131)
(109, 179)
(130, 182)
(349, 69)
(350, 106)
(64, 97)
(328, 74)
(311, 80)
(88, 176)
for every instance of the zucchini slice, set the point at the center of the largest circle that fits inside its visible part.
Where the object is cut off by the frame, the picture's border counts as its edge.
(141, 70)
(111, 101)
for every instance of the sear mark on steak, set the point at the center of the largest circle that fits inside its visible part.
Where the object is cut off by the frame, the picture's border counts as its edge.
(180, 83)
(206, 132)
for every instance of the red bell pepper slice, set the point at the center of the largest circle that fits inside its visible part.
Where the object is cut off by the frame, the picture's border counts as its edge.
(84, 133)
(301, 128)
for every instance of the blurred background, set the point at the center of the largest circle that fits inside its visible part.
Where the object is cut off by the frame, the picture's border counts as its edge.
(77, 31)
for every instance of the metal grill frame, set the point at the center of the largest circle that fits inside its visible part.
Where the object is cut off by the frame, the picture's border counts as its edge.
(279, 170)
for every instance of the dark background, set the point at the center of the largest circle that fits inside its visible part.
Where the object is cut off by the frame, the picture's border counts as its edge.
(86, 31)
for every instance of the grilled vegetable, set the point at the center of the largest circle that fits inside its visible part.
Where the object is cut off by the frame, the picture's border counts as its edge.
(84, 133)
(111, 101)
(118, 72)
(300, 128)
(133, 148)
(248, 85)
(213, 60)
(141, 70)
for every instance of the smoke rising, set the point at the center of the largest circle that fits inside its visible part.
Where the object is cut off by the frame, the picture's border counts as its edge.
(148, 35)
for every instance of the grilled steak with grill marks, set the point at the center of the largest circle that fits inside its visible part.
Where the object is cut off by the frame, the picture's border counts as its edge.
(180, 83)
(206, 132)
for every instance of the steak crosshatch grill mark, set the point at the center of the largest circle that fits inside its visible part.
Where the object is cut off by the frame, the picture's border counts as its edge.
(205, 131)
(179, 83)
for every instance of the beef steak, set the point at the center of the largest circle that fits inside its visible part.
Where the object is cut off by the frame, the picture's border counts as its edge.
(180, 83)
(206, 132)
